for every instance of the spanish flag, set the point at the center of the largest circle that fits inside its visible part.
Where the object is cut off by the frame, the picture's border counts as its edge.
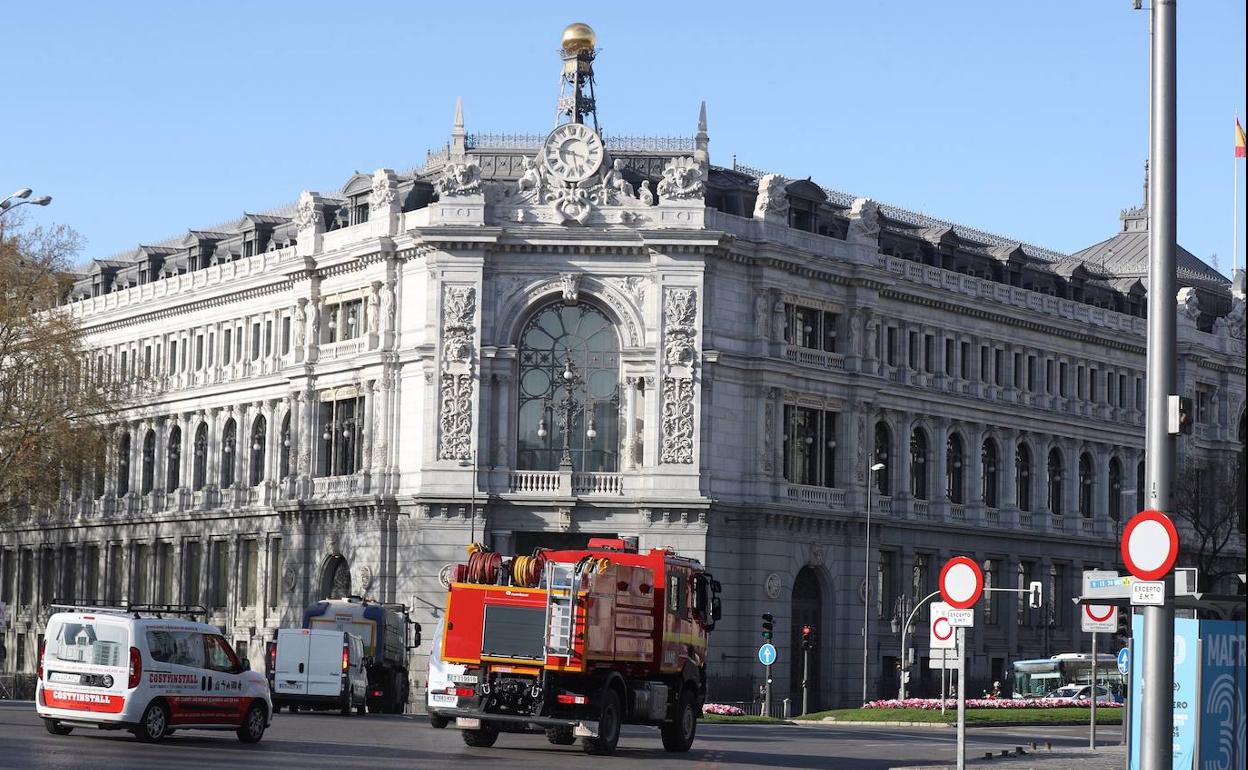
(1239, 140)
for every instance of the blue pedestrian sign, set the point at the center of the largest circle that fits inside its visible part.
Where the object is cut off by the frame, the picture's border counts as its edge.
(767, 654)
(1124, 661)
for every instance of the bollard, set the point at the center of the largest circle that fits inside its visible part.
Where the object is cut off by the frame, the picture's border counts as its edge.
(786, 708)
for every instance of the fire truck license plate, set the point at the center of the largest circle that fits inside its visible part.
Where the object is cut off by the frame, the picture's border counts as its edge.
(468, 723)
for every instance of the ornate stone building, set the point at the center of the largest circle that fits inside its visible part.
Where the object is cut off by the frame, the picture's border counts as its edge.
(529, 340)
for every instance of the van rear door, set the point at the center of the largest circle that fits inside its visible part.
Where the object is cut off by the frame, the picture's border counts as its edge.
(325, 662)
(86, 663)
(290, 672)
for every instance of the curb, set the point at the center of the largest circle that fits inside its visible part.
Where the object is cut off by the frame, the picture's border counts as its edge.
(858, 723)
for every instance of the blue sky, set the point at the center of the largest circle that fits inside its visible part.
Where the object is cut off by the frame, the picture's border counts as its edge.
(1027, 119)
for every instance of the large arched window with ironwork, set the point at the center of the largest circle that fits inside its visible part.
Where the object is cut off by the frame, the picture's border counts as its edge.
(955, 475)
(1022, 477)
(173, 460)
(148, 477)
(1085, 485)
(229, 441)
(259, 438)
(988, 485)
(283, 469)
(199, 469)
(883, 456)
(918, 464)
(123, 465)
(1055, 482)
(569, 395)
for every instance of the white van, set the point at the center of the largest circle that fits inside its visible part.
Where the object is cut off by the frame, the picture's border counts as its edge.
(439, 679)
(318, 669)
(132, 669)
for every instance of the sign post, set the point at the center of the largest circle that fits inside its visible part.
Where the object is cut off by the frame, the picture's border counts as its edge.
(941, 641)
(767, 656)
(1150, 544)
(961, 585)
(1094, 619)
(1092, 730)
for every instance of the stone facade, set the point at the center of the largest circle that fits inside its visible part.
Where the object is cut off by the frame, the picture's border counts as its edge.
(326, 397)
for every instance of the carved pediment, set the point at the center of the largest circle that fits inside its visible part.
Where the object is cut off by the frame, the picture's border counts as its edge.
(358, 184)
(806, 190)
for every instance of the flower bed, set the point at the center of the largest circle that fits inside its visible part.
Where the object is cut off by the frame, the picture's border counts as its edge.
(722, 710)
(928, 704)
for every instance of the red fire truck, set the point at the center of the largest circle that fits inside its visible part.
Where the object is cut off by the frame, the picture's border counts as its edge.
(576, 643)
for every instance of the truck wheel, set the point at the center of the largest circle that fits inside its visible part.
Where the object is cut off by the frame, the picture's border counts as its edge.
(678, 734)
(438, 722)
(346, 705)
(560, 736)
(56, 728)
(480, 739)
(154, 724)
(608, 726)
(277, 709)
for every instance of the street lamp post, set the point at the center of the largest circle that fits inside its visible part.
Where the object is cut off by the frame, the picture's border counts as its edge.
(866, 578)
(21, 198)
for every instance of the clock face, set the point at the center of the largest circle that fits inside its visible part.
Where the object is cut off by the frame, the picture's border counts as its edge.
(573, 152)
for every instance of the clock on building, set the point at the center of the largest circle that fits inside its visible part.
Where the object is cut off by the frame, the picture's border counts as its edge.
(573, 152)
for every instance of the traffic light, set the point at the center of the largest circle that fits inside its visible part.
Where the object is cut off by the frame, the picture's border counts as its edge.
(769, 622)
(1035, 594)
(1124, 623)
(1179, 415)
(808, 637)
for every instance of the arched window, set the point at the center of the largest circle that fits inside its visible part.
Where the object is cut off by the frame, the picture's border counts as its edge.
(123, 465)
(173, 460)
(883, 454)
(1055, 482)
(284, 453)
(229, 442)
(199, 474)
(149, 462)
(1115, 489)
(1022, 477)
(336, 578)
(1085, 485)
(569, 399)
(259, 437)
(954, 472)
(918, 464)
(988, 485)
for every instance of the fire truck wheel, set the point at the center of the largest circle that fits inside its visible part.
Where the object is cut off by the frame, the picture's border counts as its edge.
(438, 722)
(678, 734)
(480, 739)
(608, 726)
(560, 736)
(56, 728)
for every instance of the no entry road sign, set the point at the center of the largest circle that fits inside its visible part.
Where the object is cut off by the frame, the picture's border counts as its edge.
(961, 583)
(940, 631)
(1150, 544)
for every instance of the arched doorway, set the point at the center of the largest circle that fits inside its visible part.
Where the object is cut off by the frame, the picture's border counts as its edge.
(336, 578)
(807, 610)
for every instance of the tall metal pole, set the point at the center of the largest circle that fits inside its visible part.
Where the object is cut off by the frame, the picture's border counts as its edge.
(961, 764)
(805, 680)
(866, 586)
(1157, 716)
(1092, 729)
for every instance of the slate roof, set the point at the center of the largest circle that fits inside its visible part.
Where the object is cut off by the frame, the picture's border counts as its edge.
(1125, 255)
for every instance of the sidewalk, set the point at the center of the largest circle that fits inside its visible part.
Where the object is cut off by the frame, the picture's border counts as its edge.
(1104, 758)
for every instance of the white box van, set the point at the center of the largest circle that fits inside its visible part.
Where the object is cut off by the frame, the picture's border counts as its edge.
(441, 673)
(318, 669)
(132, 669)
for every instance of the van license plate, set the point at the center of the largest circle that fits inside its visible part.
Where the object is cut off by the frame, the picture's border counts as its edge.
(443, 700)
(61, 677)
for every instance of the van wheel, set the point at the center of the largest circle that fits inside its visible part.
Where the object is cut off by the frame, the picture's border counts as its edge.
(480, 739)
(56, 728)
(438, 722)
(252, 728)
(346, 705)
(560, 736)
(361, 709)
(678, 734)
(154, 724)
(608, 726)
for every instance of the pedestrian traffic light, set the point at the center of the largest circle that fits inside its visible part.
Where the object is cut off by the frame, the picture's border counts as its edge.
(768, 624)
(808, 637)
(1035, 594)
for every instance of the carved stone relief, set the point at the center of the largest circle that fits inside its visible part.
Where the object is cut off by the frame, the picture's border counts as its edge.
(459, 180)
(682, 180)
(455, 397)
(307, 215)
(382, 195)
(680, 360)
(864, 222)
(772, 202)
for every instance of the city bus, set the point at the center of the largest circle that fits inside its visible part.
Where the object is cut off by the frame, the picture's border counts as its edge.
(1037, 678)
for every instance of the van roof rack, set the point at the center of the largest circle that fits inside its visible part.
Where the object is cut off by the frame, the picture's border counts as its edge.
(138, 610)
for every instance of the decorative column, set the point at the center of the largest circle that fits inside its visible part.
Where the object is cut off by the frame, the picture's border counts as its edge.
(381, 424)
(459, 312)
(1007, 471)
(680, 313)
(370, 401)
(903, 427)
(212, 453)
(1100, 487)
(630, 423)
(938, 487)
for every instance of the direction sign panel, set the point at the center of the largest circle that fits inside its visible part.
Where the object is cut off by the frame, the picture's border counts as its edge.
(1147, 592)
(962, 618)
(940, 634)
(1098, 618)
(1150, 544)
(943, 659)
(1106, 584)
(767, 654)
(961, 582)
(1124, 661)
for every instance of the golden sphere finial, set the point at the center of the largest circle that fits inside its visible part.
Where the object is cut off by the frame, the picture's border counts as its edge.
(578, 37)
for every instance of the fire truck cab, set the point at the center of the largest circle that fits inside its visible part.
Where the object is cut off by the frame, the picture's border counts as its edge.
(577, 643)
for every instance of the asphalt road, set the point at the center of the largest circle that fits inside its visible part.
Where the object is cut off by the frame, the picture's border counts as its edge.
(333, 742)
